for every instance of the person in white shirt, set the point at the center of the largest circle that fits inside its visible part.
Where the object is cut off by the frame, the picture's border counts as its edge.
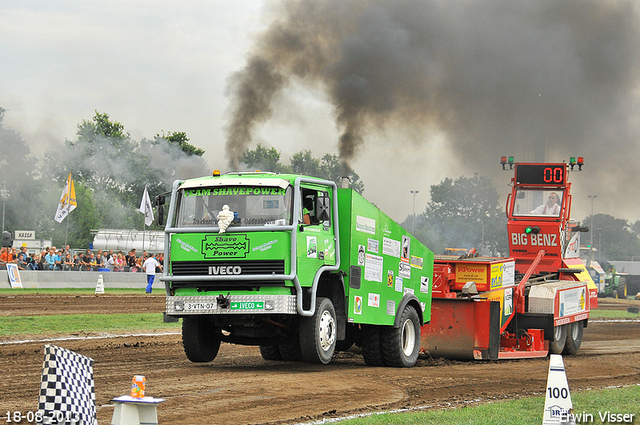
(149, 267)
(550, 208)
(111, 262)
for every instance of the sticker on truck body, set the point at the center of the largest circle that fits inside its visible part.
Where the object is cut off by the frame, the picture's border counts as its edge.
(391, 247)
(404, 270)
(366, 225)
(357, 304)
(312, 247)
(373, 268)
(372, 245)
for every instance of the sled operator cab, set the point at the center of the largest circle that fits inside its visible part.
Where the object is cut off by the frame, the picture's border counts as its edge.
(538, 212)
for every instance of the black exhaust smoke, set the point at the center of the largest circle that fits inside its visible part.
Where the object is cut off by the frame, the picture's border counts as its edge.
(494, 76)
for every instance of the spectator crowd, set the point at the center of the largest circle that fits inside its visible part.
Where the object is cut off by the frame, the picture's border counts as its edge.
(62, 259)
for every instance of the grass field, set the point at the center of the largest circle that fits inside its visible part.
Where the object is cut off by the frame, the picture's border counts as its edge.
(75, 323)
(592, 406)
(70, 291)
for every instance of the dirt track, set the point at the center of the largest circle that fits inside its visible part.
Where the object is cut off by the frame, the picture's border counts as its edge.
(239, 387)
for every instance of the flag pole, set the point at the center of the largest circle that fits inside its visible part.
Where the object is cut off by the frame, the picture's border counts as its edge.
(146, 208)
(66, 232)
(144, 222)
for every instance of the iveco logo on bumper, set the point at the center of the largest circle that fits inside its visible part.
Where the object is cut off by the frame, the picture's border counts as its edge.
(225, 270)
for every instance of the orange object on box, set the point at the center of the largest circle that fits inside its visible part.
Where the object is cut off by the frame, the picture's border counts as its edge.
(137, 386)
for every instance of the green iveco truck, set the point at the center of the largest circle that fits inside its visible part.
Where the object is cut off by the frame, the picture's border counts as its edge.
(294, 265)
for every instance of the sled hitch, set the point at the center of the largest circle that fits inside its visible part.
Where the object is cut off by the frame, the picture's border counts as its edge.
(223, 302)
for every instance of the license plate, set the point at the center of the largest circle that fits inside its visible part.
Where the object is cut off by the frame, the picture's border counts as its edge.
(199, 306)
(247, 305)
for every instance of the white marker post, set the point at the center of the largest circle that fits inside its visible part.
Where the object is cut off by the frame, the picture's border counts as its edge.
(558, 408)
(100, 285)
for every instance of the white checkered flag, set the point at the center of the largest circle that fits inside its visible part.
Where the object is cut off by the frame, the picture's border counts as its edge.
(67, 391)
(146, 208)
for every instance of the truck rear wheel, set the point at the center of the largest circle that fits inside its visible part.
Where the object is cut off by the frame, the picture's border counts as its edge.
(270, 352)
(290, 349)
(349, 338)
(200, 339)
(401, 345)
(371, 348)
(318, 333)
(556, 345)
(574, 337)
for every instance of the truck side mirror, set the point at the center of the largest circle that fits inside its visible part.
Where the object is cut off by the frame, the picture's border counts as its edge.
(323, 208)
(7, 240)
(160, 200)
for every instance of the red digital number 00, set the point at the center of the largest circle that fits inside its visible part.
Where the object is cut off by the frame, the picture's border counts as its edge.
(553, 175)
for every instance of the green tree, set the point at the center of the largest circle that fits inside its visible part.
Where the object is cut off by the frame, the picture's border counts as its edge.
(264, 159)
(180, 139)
(328, 167)
(619, 239)
(462, 213)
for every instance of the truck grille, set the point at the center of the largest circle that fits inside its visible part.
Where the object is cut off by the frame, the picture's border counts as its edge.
(201, 268)
(249, 268)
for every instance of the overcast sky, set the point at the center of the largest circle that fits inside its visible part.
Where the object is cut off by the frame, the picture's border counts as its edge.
(164, 65)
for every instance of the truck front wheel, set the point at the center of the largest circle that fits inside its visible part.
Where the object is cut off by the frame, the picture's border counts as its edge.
(574, 337)
(401, 345)
(556, 345)
(200, 339)
(318, 333)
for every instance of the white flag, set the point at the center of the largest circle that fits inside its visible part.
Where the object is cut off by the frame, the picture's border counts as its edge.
(67, 201)
(146, 208)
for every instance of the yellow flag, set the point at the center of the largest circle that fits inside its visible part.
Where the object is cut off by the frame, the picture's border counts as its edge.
(67, 201)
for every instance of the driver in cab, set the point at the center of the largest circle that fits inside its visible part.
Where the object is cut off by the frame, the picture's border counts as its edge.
(552, 206)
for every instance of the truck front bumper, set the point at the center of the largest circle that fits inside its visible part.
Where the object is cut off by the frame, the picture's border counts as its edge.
(232, 304)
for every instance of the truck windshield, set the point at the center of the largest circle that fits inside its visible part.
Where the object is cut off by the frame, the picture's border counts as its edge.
(250, 206)
(538, 202)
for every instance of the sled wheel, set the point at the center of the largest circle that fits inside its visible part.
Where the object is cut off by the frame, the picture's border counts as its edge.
(559, 339)
(574, 337)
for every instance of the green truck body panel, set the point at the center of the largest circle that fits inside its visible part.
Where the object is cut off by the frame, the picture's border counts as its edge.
(391, 262)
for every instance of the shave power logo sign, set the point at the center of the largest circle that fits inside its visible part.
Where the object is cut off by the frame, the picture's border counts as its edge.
(225, 246)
